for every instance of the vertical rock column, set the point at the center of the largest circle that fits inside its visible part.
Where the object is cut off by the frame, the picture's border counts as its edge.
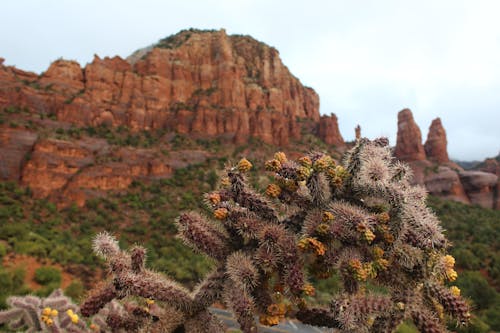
(409, 139)
(435, 146)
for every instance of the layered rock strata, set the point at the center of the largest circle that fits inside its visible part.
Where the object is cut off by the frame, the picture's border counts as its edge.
(199, 82)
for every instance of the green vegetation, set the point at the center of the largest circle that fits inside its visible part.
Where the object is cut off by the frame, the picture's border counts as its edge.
(48, 275)
(174, 41)
(11, 283)
(474, 232)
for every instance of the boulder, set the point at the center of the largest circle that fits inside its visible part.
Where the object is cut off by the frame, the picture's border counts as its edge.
(444, 182)
(480, 187)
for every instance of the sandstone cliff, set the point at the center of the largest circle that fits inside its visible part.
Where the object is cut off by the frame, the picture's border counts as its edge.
(200, 82)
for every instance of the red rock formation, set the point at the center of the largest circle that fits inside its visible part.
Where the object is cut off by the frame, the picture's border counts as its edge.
(480, 187)
(492, 165)
(72, 171)
(54, 162)
(194, 82)
(444, 182)
(65, 77)
(435, 146)
(409, 139)
(328, 130)
(15, 145)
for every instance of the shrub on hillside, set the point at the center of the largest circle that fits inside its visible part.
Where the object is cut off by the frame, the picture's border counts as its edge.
(48, 275)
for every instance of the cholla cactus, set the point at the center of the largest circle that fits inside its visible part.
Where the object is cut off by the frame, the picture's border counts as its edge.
(55, 313)
(361, 220)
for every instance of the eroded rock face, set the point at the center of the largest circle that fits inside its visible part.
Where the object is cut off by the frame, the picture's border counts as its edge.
(492, 165)
(64, 77)
(409, 138)
(72, 171)
(54, 162)
(445, 183)
(207, 83)
(328, 130)
(480, 187)
(435, 146)
(15, 146)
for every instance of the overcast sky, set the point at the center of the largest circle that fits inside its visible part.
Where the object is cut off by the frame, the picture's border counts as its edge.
(366, 59)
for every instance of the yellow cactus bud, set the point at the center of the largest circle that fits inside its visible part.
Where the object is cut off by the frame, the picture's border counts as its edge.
(269, 320)
(309, 290)
(388, 238)
(330, 172)
(273, 165)
(54, 313)
(150, 301)
(280, 156)
(214, 198)
(451, 274)
(244, 165)
(225, 182)
(49, 322)
(46, 311)
(276, 309)
(70, 312)
(303, 173)
(312, 243)
(322, 163)
(377, 252)
(318, 247)
(368, 235)
(448, 261)
(303, 243)
(273, 190)
(355, 264)
(381, 264)
(74, 319)
(455, 290)
(322, 228)
(358, 270)
(383, 217)
(370, 270)
(361, 227)
(305, 161)
(339, 170)
(221, 213)
(328, 216)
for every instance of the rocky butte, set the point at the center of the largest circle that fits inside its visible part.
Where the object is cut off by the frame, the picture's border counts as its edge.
(433, 168)
(198, 82)
(201, 83)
